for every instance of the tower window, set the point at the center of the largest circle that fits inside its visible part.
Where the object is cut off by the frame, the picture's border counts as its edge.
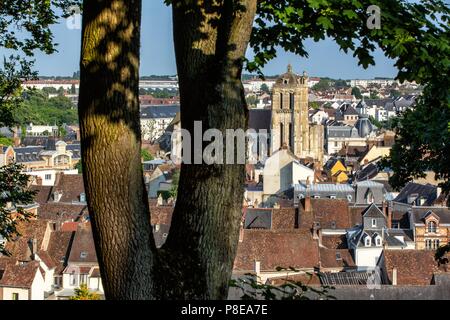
(291, 140)
(281, 134)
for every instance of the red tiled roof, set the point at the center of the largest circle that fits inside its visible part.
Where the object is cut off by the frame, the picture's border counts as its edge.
(69, 226)
(326, 212)
(43, 193)
(336, 258)
(58, 248)
(276, 249)
(311, 279)
(61, 212)
(32, 229)
(414, 267)
(71, 186)
(161, 214)
(338, 241)
(47, 259)
(19, 276)
(283, 218)
(83, 242)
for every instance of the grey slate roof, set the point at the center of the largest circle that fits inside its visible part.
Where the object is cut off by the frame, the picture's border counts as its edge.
(363, 188)
(344, 278)
(259, 119)
(28, 154)
(372, 211)
(427, 192)
(258, 219)
(75, 149)
(419, 213)
(156, 112)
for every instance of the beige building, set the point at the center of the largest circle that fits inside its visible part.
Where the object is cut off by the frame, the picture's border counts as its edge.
(290, 121)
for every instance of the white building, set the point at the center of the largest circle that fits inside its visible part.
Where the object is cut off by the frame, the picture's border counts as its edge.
(155, 120)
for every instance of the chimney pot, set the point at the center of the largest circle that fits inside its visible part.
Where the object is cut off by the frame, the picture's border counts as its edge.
(394, 276)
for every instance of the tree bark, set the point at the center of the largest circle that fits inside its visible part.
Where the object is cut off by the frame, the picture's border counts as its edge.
(197, 259)
(210, 39)
(110, 135)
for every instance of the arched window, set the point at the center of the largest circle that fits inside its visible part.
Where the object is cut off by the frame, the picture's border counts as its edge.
(431, 227)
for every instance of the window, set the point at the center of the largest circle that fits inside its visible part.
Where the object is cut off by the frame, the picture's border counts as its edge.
(281, 100)
(431, 226)
(83, 278)
(338, 256)
(428, 244)
(15, 296)
(395, 225)
(291, 140)
(435, 243)
(367, 242)
(281, 134)
(291, 101)
(48, 177)
(378, 241)
(73, 279)
(83, 255)
(374, 223)
(333, 224)
(332, 197)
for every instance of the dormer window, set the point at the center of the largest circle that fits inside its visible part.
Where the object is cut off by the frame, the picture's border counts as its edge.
(378, 241)
(367, 241)
(431, 226)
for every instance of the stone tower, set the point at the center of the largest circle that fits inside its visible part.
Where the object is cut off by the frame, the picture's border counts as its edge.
(290, 119)
(290, 125)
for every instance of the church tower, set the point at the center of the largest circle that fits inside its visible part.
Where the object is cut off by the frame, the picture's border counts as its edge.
(290, 125)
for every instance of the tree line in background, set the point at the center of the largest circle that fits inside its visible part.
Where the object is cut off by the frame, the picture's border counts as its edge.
(37, 108)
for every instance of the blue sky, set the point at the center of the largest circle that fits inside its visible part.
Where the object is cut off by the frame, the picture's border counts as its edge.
(157, 55)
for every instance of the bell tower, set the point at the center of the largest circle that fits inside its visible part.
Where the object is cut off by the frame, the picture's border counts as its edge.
(290, 126)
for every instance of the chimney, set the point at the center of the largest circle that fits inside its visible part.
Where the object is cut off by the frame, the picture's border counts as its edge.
(241, 231)
(438, 192)
(394, 276)
(319, 236)
(308, 203)
(389, 215)
(257, 270)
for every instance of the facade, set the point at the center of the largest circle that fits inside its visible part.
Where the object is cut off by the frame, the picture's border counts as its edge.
(57, 157)
(281, 171)
(431, 227)
(155, 120)
(82, 266)
(290, 120)
(22, 282)
(374, 235)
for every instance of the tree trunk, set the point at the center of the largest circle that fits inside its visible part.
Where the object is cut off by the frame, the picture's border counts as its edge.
(210, 38)
(197, 259)
(111, 138)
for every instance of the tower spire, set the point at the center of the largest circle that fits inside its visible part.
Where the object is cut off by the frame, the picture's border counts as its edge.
(289, 68)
